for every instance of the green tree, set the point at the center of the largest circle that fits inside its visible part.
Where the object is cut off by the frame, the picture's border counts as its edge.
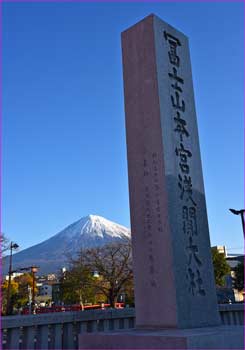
(129, 292)
(13, 294)
(19, 294)
(221, 267)
(23, 281)
(76, 285)
(238, 280)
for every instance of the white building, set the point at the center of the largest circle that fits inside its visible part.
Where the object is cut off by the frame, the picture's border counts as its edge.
(45, 290)
(13, 275)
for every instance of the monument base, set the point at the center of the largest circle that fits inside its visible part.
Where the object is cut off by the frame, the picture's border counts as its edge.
(222, 337)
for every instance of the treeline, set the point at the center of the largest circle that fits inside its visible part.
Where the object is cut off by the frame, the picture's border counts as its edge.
(103, 275)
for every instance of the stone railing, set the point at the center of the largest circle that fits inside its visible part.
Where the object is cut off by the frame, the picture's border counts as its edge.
(232, 314)
(61, 330)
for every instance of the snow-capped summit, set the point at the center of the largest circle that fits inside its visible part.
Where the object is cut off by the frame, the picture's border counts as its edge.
(98, 226)
(92, 227)
(90, 231)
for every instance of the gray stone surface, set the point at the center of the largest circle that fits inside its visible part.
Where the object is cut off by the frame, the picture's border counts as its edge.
(203, 338)
(174, 282)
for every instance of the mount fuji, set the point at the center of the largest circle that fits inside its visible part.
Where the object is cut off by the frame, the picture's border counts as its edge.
(51, 255)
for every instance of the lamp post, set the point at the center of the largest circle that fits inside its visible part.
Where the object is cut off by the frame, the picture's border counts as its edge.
(34, 269)
(29, 298)
(8, 307)
(241, 213)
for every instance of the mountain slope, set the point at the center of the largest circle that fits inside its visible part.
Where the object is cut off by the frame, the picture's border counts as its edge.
(51, 255)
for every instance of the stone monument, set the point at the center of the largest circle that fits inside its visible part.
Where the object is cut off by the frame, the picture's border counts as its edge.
(168, 211)
(175, 296)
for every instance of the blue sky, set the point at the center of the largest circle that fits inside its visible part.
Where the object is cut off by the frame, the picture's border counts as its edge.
(64, 148)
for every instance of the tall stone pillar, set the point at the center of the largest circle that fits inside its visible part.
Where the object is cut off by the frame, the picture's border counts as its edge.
(174, 282)
(175, 297)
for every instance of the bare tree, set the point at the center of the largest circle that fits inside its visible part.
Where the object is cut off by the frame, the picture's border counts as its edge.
(113, 263)
(4, 243)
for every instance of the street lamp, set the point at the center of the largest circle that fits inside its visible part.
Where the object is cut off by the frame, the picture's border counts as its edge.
(241, 213)
(11, 247)
(34, 269)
